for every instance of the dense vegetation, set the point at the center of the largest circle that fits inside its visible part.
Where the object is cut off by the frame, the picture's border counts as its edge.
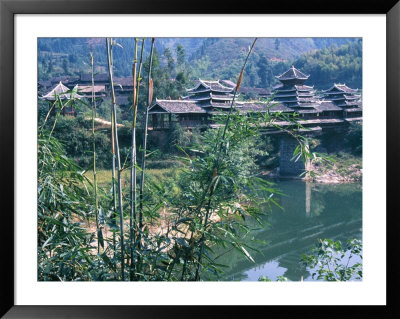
(334, 65)
(326, 59)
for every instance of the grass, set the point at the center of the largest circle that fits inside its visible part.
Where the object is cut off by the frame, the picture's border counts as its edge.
(104, 175)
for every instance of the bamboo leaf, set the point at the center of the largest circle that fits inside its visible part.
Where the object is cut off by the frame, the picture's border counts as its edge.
(247, 254)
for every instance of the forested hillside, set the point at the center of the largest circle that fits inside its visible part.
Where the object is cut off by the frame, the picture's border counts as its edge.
(334, 65)
(213, 58)
(219, 57)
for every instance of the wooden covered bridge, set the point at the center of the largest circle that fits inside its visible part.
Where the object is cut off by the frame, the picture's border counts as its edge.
(335, 108)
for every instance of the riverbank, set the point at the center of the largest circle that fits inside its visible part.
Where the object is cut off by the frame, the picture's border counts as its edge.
(343, 168)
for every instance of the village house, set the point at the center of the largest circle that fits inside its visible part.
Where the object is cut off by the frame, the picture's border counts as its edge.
(83, 86)
(63, 93)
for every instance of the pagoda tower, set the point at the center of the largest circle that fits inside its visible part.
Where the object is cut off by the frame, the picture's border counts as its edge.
(343, 96)
(211, 94)
(292, 92)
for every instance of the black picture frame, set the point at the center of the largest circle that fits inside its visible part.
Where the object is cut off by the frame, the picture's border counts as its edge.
(8, 8)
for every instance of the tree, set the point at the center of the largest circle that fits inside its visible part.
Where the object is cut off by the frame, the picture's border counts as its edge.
(180, 55)
(277, 44)
(50, 66)
(264, 71)
(170, 60)
(353, 138)
(331, 260)
(65, 66)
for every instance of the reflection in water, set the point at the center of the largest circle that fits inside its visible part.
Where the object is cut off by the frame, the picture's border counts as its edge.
(308, 198)
(310, 211)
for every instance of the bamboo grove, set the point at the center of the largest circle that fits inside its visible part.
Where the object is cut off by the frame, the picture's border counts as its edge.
(204, 210)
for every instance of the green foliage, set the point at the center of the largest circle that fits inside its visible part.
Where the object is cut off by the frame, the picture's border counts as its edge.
(75, 134)
(334, 65)
(63, 244)
(209, 58)
(278, 278)
(204, 206)
(349, 140)
(353, 138)
(214, 199)
(220, 58)
(179, 137)
(331, 260)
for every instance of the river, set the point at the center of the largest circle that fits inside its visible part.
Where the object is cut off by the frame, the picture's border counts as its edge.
(310, 211)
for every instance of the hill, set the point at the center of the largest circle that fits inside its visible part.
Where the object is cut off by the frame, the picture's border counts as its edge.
(334, 65)
(222, 57)
(205, 57)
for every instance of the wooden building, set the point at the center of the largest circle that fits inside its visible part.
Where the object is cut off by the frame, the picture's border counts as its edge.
(62, 92)
(292, 92)
(207, 98)
(346, 98)
(86, 90)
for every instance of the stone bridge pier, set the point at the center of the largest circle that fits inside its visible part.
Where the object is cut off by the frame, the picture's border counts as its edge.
(287, 166)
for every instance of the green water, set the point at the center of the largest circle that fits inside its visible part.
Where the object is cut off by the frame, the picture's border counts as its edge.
(310, 211)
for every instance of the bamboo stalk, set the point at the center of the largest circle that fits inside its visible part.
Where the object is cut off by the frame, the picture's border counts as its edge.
(216, 164)
(118, 159)
(133, 219)
(113, 179)
(132, 216)
(96, 201)
(143, 167)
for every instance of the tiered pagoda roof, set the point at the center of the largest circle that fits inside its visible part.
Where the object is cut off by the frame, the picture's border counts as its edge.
(292, 92)
(293, 75)
(60, 90)
(292, 95)
(211, 93)
(343, 96)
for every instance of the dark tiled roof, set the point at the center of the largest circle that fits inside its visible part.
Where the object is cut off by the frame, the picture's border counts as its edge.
(290, 88)
(212, 85)
(223, 105)
(127, 81)
(304, 94)
(356, 109)
(88, 88)
(304, 87)
(279, 107)
(178, 106)
(228, 83)
(222, 97)
(292, 74)
(307, 111)
(64, 78)
(285, 94)
(341, 88)
(58, 90)
(306, 100)
(87, 77)
(216, 86)
(327, 106)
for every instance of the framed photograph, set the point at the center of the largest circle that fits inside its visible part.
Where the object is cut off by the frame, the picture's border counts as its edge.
(134, 188)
